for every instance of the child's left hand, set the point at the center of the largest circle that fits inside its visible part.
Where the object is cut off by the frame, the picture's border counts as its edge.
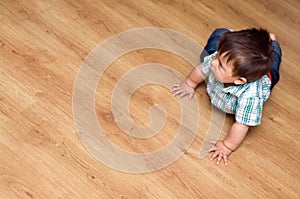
(220, 152)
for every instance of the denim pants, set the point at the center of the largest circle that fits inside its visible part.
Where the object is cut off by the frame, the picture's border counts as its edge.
(212, 46)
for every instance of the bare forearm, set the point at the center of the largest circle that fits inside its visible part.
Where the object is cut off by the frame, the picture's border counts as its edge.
(195, 77)
(236, 135)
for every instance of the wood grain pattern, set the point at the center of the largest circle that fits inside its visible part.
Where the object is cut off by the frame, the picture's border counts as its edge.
(43, 44)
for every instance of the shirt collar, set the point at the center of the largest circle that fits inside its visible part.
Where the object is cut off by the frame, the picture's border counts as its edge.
(236, 90)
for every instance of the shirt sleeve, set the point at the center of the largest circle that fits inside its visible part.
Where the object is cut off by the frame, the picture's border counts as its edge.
(266, 87)
(205, 69)
(249, 111)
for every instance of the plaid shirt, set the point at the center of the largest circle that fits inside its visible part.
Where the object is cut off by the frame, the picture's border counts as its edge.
(245, 101)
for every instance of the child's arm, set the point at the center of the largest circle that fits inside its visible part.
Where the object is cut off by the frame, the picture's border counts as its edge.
(237, 134)
(222, 149)
(195, 77)
(188, 86)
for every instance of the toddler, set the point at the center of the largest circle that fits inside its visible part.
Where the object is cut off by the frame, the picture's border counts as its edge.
(240, 69)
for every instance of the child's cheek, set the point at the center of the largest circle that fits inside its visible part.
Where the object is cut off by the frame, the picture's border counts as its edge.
(216, 74)
(214, 64)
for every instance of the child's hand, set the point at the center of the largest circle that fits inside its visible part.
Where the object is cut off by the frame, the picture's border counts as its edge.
(183, 89)
(220, 152)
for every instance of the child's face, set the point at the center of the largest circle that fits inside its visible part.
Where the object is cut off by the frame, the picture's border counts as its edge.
(222, 70)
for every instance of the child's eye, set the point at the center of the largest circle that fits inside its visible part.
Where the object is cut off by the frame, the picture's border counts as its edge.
(220, 65)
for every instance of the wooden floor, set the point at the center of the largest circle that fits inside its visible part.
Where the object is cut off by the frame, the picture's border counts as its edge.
(44, 43)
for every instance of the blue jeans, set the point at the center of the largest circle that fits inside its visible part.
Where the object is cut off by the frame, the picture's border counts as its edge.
(212, 46)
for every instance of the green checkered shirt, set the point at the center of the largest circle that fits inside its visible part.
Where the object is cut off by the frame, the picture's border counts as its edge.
(245, 101)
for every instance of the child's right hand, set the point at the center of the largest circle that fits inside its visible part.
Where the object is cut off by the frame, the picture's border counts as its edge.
(182, 89)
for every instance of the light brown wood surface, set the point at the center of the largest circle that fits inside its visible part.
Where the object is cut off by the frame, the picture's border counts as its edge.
(44, 43)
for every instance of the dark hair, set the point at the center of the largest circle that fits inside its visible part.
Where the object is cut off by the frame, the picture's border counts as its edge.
(249, 51)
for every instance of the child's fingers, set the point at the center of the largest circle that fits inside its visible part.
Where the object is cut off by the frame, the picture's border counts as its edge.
(214, 142)
(174, 90)
(219, 158)
(175, 85)
(182, 94)
(178, 92)
(211, 149)
(225, 159)
(191, 95)
(214, 155)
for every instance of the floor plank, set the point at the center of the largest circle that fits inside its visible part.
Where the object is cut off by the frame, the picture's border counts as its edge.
(44, 43)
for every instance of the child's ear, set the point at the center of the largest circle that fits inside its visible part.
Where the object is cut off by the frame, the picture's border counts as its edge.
(240, 81)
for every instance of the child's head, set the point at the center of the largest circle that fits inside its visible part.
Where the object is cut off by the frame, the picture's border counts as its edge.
(248, 52)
